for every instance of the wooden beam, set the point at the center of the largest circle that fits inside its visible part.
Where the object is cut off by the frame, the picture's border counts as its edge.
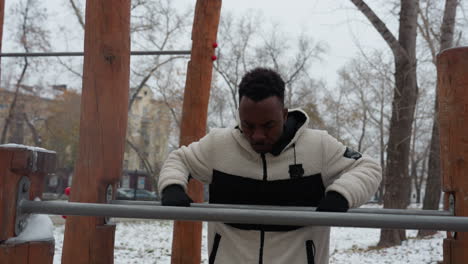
(103, 125)
(186, 244)
(452, 85)
(16, 163)
(41, 252)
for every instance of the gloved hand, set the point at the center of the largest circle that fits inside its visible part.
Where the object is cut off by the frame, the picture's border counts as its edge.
(174, 195)
(333, 202)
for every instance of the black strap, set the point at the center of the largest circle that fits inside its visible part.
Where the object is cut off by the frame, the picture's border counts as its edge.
(310, 248)
(214, 250)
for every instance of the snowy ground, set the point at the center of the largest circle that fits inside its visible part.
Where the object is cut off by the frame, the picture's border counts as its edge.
(146, 242)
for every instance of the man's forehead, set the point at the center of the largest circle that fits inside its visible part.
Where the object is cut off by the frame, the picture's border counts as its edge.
(269, 103)
(262, 112)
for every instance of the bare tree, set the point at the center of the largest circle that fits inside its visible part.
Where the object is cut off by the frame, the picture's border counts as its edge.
(404, 102)
(30, 35)
(247, 43)
(156, 24)
(419, 151)
(236, 55)
(61, 129)
(358, 107)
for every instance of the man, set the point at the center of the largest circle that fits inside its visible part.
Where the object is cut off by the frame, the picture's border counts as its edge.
(271, 158)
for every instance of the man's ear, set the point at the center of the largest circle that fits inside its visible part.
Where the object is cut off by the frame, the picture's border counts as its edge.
(285, 114)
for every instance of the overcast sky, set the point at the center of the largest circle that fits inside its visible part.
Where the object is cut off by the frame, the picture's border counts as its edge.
(336, 23)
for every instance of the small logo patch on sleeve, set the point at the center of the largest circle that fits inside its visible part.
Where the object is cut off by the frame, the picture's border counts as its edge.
(352, 154)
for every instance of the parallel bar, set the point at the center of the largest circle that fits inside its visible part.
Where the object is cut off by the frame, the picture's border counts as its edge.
(297, 208)
(389, 221)
(71, 54)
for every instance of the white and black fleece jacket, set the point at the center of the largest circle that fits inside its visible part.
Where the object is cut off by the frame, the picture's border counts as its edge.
(239, 175)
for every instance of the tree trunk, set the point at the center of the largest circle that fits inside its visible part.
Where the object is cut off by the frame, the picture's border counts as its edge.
(403, 105)
(397, 195)
(433, 186)
(381, 190)
(34, 133)
(397, 181)
(414, 177)
(11, 109)
(17, 128)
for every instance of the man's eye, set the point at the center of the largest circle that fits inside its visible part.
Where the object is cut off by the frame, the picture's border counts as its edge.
(246, 126)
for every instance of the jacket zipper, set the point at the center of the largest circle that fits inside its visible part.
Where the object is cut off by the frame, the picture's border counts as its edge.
(262, 242)
(264, 167)
(262, 233)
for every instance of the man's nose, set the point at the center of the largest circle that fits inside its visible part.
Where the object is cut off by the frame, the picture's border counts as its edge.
(258, 135)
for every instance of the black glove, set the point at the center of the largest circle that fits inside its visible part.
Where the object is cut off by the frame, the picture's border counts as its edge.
(333, 202)
(174, 195)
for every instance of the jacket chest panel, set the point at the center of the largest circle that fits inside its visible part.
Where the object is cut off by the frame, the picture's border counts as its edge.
(232, 189)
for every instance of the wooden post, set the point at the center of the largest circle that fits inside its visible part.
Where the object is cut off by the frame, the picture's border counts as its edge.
(186, 244)
(452, 85)
(103, 125)
(16, 163)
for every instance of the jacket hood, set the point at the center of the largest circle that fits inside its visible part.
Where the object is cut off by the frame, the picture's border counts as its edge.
(295, 124)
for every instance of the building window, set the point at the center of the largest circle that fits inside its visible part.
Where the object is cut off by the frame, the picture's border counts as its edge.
(126, 181)
(141, 182)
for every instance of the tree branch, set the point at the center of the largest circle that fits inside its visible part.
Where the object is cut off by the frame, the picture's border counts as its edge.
(380, 26)
(448, 24)
(148, 167)
(78, 13)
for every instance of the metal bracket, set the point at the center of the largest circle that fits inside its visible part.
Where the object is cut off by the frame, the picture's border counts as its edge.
(109, 194)
(451, 209)
(451, 204)
(23, 194)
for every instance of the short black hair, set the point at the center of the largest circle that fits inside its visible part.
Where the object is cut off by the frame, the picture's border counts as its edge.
(261, 83)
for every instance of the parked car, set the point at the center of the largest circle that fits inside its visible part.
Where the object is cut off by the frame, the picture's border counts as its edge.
(124, 194)
(141, 194)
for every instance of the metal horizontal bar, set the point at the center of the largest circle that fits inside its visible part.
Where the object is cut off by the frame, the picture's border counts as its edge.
(300, 218)
(296, 208)
(71, 54)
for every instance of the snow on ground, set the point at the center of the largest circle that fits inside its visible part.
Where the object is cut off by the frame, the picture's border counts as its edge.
(149, 242)
(354, 245)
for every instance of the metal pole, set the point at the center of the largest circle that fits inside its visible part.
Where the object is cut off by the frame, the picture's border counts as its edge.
(297, 208)
(299, 218)
(71, 54)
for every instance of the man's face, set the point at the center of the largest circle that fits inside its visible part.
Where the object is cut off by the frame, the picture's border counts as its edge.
(262, 122)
